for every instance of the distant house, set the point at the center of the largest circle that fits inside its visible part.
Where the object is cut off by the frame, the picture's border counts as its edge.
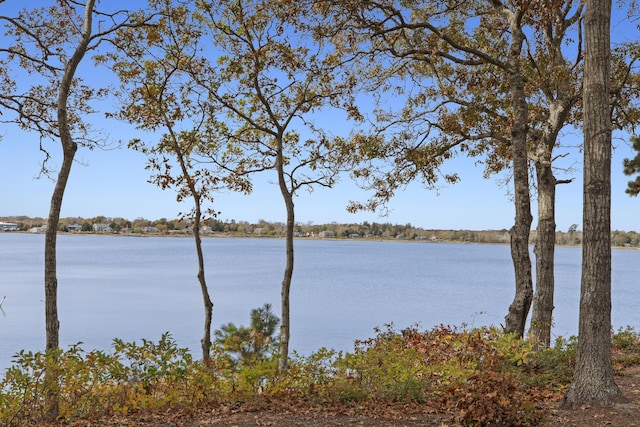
(326, 233)
(74, 227)
(354, 235)
(102, 228)
(8, 226)
(41, 229)
(150, 230)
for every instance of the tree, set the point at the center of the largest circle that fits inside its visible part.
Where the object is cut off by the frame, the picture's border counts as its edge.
(593, 375)
(555, 90)
(269, 80)
(471, 94)
(557, 64)
(50, 44)
(519, 309)
(54, 105)
(159, 96)
(250, 343)
(470, 104)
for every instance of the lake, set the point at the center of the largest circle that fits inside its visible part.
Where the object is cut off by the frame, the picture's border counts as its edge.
(140, 287)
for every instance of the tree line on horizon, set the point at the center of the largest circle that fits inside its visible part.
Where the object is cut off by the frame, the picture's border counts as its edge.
(573, 236)
(219, 91)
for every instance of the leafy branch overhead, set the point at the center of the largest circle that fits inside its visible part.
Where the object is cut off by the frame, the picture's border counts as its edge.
(41, 43)
(451, 80)
(276, 93)
(269, 84)
(632, 167)
(159, 96)
(439, 86)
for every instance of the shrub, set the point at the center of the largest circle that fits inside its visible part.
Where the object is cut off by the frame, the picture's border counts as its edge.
(552, 368)
(247, 345)
(474, 374)
(626, 343)
(133, 376)
(481, 376)
(494, 399)
(626, 339)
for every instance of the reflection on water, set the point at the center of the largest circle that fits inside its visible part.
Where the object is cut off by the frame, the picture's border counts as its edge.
(140, 287)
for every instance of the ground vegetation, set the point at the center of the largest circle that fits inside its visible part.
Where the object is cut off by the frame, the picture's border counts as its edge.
(445, 376)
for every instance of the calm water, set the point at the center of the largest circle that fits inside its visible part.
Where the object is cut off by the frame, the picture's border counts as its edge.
(140, 287)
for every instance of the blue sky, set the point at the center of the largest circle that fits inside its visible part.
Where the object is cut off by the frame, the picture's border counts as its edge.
(113, 183)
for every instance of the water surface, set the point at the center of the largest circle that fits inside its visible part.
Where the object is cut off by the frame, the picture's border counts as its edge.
(140, 287)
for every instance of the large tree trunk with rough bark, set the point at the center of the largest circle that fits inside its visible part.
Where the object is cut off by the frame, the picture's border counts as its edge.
(593, 376)
(561, 94)
(542, 314)
(516, 319)
(543, 305)
(519, 309)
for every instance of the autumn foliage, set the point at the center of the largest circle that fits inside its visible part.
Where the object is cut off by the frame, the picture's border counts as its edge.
(478, 376)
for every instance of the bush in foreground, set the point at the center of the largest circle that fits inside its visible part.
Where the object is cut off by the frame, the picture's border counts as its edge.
(479, 377)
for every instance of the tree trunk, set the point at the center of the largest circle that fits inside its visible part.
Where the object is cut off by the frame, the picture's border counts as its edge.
(593, 376)
(542, 314)
(206, 299)
(50, 250)
(52, 323)
(285, 326)
(69, 148)
(561, 95)
(205, 342)
(519, 309)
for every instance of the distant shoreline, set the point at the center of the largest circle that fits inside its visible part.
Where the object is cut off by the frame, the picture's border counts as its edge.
(278, 237)
(214, 228)
(249, 236)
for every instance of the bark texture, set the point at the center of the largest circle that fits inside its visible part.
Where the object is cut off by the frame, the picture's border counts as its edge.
(543, 300)
(515, 320)
(593, 377)
(542, 314)
(561, 93)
